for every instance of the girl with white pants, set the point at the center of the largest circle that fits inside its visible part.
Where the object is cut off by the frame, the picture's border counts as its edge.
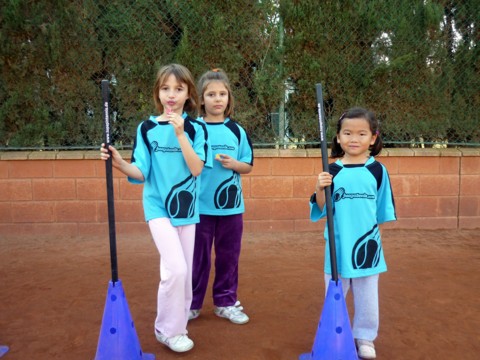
(175, 245)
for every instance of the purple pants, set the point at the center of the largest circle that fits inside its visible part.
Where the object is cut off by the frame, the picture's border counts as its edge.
(226, 233)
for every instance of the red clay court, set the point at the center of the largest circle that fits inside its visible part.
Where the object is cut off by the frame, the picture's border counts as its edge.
(53, 294)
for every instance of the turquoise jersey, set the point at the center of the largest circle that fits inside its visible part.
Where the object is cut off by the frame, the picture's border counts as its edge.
(170, 190)
(362, 199)
(221, 188)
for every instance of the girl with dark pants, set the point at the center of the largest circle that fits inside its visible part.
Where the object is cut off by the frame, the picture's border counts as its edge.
(221, 201)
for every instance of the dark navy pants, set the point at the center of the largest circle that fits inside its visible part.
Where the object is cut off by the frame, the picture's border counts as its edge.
(224, 233)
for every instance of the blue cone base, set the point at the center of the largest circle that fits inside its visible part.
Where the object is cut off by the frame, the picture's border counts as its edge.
(334, 339)
(118, 338)
(3, 350)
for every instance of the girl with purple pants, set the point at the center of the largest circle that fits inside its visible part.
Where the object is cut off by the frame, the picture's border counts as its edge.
(221, 201)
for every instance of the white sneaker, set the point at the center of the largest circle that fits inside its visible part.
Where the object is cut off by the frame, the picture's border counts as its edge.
(193, 314)
(233, 313)
(179, 343)
(366, 349)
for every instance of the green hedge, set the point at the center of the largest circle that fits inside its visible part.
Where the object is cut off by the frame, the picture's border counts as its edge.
(415, 63)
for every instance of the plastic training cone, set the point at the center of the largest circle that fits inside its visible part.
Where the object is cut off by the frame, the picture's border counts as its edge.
(118, 339)
(3, 350)
(334, 339)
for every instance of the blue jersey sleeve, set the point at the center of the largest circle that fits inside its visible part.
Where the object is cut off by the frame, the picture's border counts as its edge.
(385, 201)
(201, 143)
(315, 212)
(141, 154)
(245, 153)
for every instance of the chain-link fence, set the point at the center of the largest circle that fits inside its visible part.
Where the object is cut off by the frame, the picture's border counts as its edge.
(414, 62)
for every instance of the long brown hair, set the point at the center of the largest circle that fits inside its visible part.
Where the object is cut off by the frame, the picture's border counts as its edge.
(183, 75)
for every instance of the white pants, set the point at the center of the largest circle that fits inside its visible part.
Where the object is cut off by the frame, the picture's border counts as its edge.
(365, 300)
(175, 245)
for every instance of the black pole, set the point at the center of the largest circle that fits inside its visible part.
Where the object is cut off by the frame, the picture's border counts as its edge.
(328, 191)
(109, 175)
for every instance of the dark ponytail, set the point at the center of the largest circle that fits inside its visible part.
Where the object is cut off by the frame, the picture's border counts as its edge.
(337, 150)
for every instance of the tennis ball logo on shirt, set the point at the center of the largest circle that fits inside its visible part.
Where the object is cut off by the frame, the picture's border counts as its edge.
(180, 202)
(338, 194)
(367, 250)
(228, 194)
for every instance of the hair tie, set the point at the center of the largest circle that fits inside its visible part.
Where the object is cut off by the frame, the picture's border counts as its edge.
(377, 132)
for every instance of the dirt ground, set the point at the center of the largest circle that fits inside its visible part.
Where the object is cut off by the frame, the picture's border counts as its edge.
(53, 293)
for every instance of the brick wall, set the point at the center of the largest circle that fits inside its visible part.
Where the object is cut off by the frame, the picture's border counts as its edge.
(64, 193)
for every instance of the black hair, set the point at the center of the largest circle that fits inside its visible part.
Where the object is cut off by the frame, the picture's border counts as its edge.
(358, 113)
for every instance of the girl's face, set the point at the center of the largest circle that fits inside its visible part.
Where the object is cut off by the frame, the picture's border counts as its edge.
(173, 94)
(215, 100)
(355, 138)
